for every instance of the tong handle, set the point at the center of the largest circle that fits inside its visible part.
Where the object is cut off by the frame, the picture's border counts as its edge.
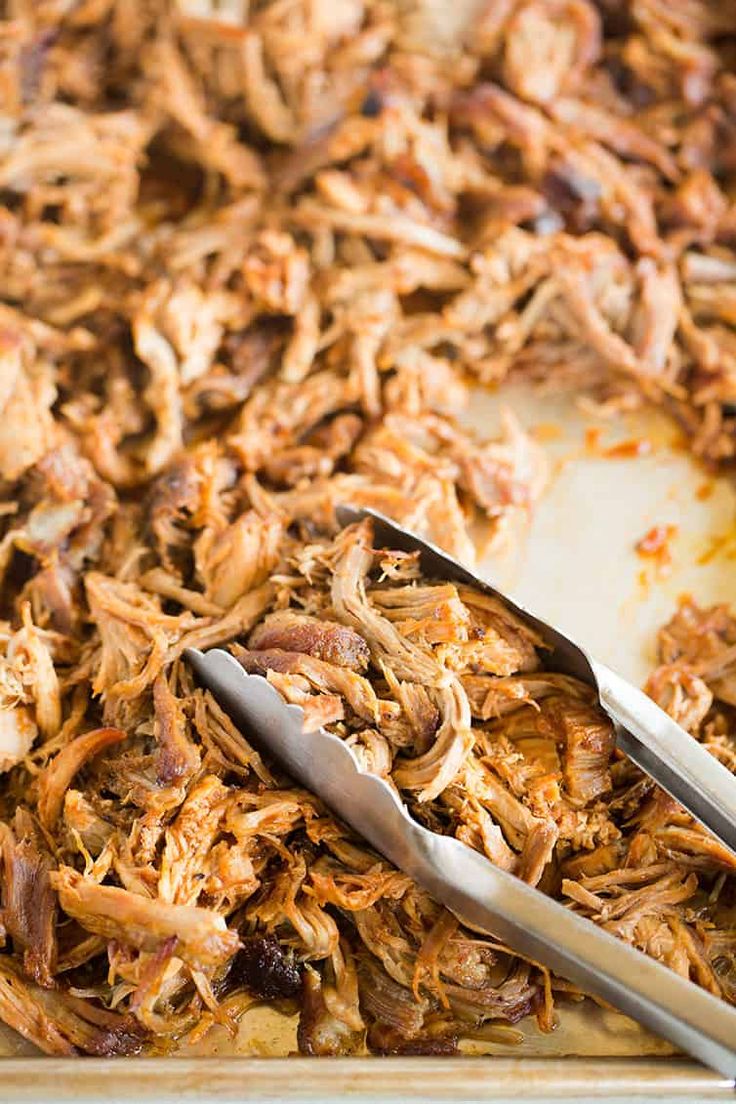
(488, 899)
(669, 755)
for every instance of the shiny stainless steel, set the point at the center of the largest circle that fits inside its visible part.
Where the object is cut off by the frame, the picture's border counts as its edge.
(667, 754)
(480, 894)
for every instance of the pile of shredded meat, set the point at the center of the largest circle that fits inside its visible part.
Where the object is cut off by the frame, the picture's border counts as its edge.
(250, 255)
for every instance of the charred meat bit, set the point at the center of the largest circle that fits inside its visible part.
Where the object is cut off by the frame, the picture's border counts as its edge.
(266, 969)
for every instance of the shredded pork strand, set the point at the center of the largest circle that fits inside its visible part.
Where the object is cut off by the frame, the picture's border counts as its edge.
(250, 256)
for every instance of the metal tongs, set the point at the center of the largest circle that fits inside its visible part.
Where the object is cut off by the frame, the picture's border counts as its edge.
(480, 894)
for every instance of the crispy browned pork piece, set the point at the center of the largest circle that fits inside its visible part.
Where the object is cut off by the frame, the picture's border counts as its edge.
(241, 283)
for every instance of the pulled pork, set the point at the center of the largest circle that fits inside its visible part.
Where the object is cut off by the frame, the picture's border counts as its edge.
(156, 865)
(241, 284)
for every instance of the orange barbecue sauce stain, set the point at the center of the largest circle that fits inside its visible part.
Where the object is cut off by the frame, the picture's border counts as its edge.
(679, 441)
(655, 546)
(705, 490)
(723, 544)
(593, 436)
(623, 450)
(637, 446)
(546, 431)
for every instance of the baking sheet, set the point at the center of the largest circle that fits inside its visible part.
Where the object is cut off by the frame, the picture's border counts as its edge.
(579, 567)
(576, 565)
